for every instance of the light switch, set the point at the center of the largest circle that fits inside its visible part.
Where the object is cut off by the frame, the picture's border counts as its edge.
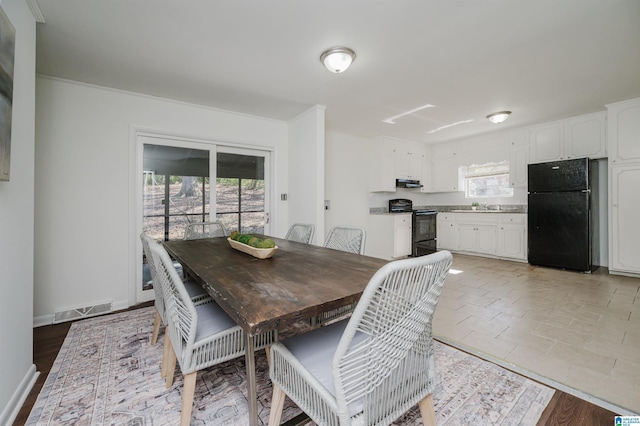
(326, 204)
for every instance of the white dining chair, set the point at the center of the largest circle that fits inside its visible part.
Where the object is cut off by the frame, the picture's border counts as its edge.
(346, 238)
(375, 366)
(350, 239)
(199, 336)
(300, 232)
(198, 230)
(196, 292)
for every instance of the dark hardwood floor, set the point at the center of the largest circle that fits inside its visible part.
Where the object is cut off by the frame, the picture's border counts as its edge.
(563, 410)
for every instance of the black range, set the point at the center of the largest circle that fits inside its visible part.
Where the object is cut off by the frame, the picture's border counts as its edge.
(423, 226)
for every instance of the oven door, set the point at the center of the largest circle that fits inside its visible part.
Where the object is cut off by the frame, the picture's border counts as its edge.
(423, 248)
(423, 233)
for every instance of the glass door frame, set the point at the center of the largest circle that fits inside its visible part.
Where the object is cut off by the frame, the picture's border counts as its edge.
(266, 155)
(139, 138)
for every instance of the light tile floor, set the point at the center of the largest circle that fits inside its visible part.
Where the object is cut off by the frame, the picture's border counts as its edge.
(577, 332)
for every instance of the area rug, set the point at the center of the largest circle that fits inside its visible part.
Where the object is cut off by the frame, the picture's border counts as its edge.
(107, 373)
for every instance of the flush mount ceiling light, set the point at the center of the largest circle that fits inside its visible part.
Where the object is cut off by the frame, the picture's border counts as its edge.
(337, 59)
(498, 117)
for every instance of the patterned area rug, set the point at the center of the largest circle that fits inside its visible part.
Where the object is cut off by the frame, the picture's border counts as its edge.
(107, 373)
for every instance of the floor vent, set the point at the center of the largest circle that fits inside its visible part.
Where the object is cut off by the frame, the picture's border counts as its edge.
(76, 313)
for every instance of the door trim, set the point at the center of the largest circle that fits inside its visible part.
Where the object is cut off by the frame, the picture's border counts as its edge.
(138, 136)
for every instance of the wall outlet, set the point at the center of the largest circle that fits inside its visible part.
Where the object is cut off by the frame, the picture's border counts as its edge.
(283, 197)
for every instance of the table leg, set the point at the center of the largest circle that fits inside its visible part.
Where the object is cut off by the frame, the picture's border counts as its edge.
(252, 396)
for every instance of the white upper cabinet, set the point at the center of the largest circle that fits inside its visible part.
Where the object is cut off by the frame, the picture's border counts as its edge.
(408, 160)
(427, 169)
(585, 136)
(382, 166)
(577, 137)
(444, 168)
(546, 142)
(624, 131)
(518, 158)
(395, 159)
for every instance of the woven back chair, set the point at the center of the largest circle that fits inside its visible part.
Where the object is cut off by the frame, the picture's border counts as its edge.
(199, 336)
(196, 292)
(158, 301)
(300, 232)
(375, 366)
(198, 230)
(346, 238)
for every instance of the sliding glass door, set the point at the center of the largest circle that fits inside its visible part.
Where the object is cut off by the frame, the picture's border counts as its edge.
(176, 190)
(241, 188)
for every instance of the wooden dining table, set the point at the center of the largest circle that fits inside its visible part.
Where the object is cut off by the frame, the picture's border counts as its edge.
(300, 282)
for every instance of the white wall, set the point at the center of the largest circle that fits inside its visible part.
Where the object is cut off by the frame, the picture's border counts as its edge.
(347, 180)
(85, 244)
(17, 371)
(305, 196)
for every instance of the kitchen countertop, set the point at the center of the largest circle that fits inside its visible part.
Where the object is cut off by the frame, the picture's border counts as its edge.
(484, 211)
(505, 208)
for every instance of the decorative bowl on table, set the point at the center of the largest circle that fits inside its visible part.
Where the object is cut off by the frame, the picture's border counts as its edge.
(260, 253)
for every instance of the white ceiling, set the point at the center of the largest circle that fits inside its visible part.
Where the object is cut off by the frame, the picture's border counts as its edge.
(541, 59)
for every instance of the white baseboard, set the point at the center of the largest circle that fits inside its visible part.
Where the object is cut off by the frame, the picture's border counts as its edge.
(10, 412)
(42, 320)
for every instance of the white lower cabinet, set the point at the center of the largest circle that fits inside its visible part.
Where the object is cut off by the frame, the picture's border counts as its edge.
(624, 236)
(402, 236)
(512, 236)
(624, 187)
(501, 235)
(389, 235)
(477, 232)
(446, 232)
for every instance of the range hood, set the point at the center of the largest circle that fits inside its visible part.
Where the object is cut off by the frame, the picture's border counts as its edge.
(408, 183)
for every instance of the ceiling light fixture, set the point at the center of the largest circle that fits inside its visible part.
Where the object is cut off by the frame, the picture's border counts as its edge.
(498, 117)
(338, 59)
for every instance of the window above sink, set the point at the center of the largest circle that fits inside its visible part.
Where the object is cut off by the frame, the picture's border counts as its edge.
(487, 180)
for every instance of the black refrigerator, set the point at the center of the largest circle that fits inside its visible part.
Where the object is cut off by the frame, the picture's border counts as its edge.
(559, 214)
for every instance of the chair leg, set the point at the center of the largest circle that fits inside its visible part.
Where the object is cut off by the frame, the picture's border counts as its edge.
(165, 355)
(427, 411)
(277, 404)
(171, 367)
(188, 391)
(156, 328)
